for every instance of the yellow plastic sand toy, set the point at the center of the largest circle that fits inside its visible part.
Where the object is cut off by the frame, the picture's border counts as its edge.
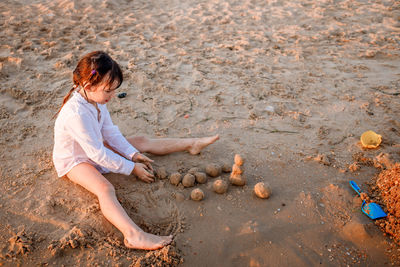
(370, 139)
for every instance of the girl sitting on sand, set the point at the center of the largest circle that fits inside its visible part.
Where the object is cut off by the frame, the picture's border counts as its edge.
(87, 144)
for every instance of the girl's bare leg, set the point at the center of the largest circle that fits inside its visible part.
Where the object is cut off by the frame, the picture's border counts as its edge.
(91, 179)
(165, 146)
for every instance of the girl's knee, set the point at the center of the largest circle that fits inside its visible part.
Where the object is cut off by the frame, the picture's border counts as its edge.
(105, 188)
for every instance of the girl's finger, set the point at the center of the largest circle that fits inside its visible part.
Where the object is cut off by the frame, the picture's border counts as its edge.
(144, 158)
(147, 159)
(149, 166)
(149, 179)
(146, 179)
(149, 174)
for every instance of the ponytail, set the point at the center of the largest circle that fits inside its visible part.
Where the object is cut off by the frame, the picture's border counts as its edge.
(65, 100)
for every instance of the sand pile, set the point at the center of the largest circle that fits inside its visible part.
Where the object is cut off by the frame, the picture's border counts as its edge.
(167, 256)
(19, 244)
(389, 186)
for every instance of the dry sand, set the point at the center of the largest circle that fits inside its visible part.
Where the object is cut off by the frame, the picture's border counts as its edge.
(280, 81)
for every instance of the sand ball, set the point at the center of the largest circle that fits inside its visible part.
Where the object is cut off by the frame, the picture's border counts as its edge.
(226, 167)
(197, 194)
(188, 180)
(262, 190)
(161, 173)
(193, 170)
(200, 177)
(213, 170)
(175, 178)
(237, 180)
(238, 160)
(236, 169)
(220, 186)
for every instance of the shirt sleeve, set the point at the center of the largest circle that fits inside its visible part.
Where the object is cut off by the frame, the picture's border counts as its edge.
(84, 130)
(115, 139)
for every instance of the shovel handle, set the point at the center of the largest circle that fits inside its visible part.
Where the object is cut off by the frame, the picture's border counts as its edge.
(355, 187)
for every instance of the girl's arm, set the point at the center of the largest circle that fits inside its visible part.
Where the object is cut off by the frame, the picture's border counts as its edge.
(84, 130)
(115, 139)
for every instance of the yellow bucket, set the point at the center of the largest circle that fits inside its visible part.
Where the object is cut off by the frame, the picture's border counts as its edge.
(370, 139)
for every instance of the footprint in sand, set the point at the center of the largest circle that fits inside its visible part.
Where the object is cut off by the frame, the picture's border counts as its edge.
(153, 211)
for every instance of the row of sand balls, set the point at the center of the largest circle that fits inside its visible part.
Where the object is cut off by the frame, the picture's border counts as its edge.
(195, 175)
(261, 190)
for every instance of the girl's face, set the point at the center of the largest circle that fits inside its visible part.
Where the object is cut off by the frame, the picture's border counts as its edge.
(102, 92)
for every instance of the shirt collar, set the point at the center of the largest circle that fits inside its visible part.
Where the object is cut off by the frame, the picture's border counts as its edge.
(80, 98)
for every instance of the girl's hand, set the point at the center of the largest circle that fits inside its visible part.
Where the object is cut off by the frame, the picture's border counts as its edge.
(138, 157)
(143, 173)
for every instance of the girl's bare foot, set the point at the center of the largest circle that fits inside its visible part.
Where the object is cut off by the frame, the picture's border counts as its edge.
(200, 143)
(143, 240)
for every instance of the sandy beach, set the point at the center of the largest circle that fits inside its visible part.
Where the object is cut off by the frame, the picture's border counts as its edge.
(288, 85)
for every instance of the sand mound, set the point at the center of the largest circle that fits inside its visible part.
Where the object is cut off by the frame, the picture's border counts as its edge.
(389, 186)
(167, 256)
(19, 244)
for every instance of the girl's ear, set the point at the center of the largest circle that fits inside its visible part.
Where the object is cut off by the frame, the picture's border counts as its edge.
(87, 87)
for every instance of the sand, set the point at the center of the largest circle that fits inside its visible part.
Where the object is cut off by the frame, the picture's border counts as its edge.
(282, 82)
(389, 191)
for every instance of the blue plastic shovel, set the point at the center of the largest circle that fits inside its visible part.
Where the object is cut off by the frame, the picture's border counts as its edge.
(372, 210)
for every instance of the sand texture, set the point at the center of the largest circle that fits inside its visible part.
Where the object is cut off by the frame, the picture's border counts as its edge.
(288, 85)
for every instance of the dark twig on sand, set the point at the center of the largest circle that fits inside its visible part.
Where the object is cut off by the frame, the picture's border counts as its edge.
(382, 90)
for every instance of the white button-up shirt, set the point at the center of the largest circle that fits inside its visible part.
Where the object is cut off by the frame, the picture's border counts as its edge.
(79, 136)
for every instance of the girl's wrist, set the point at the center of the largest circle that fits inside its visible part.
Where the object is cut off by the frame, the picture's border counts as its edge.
(134, 156)
(134, 170)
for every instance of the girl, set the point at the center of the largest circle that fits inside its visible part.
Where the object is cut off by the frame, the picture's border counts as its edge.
(87, 144)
